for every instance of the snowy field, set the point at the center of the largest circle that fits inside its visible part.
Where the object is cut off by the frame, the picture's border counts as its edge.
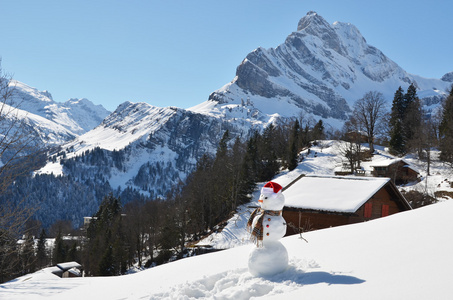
(403, 256)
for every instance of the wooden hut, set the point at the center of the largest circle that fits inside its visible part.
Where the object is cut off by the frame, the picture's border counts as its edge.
(67, 269)
(316, 202)
(396, 169)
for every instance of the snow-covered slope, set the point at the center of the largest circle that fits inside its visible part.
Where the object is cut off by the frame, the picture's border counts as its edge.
(321, 70)
(396, 257)
(55, 122)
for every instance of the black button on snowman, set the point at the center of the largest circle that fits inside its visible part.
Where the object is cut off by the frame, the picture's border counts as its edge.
(267, 227)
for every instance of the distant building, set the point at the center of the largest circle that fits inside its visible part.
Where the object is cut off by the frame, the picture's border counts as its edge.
(316, 202)
(396, 169)
(87, 221)
(67, 270)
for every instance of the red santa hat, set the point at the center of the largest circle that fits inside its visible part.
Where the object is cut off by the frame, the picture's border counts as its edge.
(271, 187)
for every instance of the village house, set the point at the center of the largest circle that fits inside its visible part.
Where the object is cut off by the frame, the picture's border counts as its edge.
(397, 169)
(67, 269)
(316, 202)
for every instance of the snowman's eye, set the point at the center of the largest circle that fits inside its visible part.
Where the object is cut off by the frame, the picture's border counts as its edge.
(265, 197)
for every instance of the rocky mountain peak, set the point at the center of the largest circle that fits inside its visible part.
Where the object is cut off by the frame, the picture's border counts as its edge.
(316, 26)
(321, 69)
(448, 77)
(311, 20)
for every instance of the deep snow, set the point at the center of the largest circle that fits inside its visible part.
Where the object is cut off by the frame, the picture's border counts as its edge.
(403, 256)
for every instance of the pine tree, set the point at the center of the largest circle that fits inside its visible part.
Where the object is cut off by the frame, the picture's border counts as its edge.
(410, 96)
(59, 251)
(105, 232)
(251, 157)
(237, 157)
(41, 251)
(413, 123)
(446, 130)
(397, 141)
(267, 159)
(222, 183)
(412, 116)
(293, 146)
(28, 256)
(247, 183)
(318, 131)
(398, 105)
(105, 267)
(73, 253)
(223, 145)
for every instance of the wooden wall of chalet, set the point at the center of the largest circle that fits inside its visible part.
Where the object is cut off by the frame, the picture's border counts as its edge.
(384, 202)
(311, 220)
(377, 203)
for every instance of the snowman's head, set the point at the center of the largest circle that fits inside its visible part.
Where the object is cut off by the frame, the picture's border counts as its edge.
(271, 197)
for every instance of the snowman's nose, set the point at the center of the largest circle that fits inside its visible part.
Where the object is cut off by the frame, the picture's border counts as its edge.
(260, 200)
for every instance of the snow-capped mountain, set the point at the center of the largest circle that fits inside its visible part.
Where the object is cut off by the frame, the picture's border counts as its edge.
(55, 122)
(149, 148)
(138, 148)
(321, 70)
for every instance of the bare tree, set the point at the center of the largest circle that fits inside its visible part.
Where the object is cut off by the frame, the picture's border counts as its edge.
(352, 152)
(18, 152)
(351, 149)
(368, 112)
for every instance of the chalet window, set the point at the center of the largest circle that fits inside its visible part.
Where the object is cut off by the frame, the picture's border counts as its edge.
(368, 210)
(385, 210)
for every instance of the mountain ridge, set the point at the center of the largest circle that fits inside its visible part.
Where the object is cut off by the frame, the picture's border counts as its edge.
(64, 120)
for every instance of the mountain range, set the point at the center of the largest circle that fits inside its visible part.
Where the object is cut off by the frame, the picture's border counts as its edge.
(318, 73)
(56, 123)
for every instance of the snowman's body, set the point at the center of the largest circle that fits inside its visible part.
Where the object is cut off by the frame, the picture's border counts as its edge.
(274, 226)
(271, 256)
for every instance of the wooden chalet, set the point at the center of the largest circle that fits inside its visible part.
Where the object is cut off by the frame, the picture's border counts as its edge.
(396, 169)
(316, 202)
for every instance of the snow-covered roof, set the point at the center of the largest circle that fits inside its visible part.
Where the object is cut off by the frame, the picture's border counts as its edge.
(333, 193)
(69, 265)
(53, 270)
(388, 162)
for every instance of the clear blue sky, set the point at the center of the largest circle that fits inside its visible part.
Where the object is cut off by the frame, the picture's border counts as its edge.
(175, 53)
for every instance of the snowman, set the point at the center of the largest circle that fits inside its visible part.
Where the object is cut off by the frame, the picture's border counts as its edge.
(267, 227)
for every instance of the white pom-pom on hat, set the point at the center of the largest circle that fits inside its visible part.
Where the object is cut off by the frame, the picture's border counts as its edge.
(271, 187)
